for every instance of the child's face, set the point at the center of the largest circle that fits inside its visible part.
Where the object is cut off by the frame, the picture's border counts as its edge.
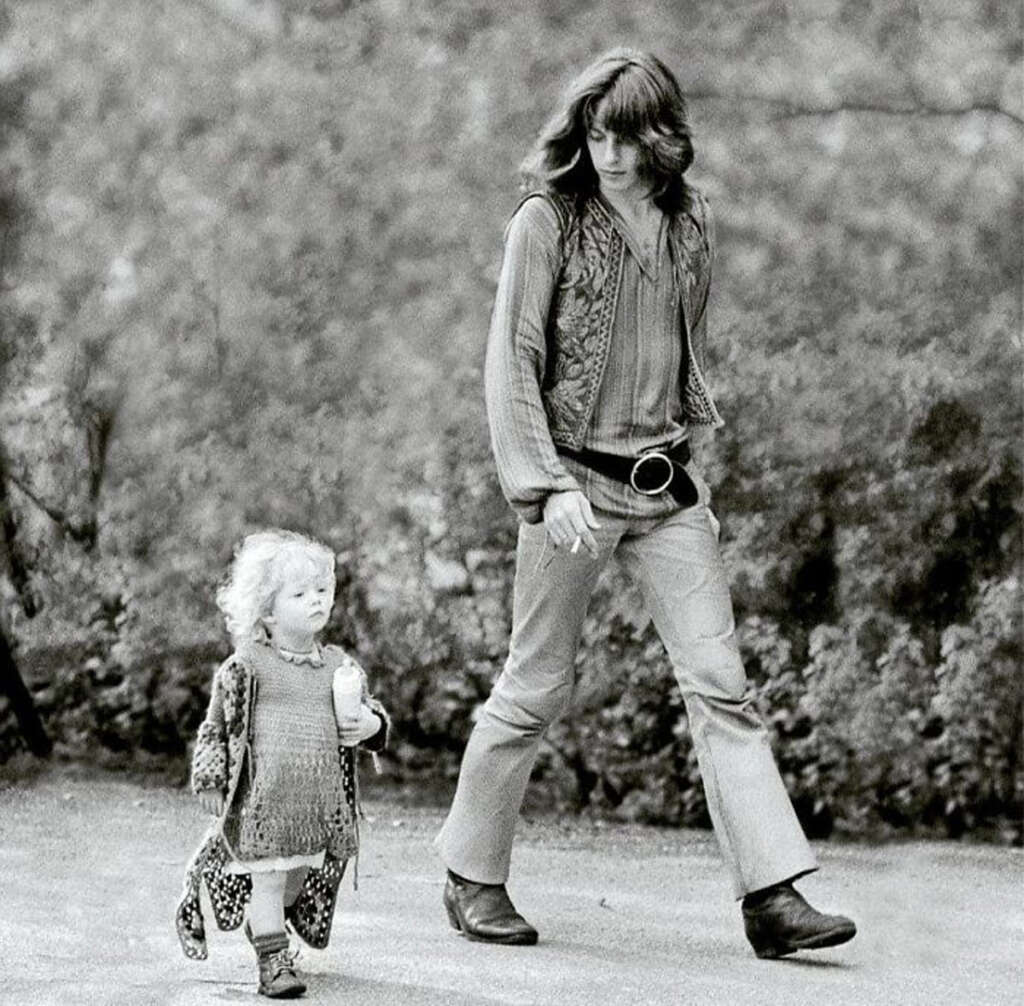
(303, 603)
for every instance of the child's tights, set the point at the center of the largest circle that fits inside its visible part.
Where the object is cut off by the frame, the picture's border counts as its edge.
(271, 891)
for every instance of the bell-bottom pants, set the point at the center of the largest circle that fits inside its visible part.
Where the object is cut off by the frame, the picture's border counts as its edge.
(678, 567)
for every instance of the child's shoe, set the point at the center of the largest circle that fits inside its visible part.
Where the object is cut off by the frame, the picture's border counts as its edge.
(277, 973)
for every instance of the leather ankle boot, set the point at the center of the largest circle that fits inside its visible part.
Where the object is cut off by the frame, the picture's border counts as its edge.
(779, 921)
(277, 971)
(485, 913)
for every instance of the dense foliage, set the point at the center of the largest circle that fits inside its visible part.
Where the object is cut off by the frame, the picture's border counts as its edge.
(249, 255)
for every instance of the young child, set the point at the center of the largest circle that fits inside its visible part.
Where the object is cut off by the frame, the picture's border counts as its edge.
(274, 760)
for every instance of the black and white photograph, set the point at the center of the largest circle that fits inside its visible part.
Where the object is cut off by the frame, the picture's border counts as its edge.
(511, 502)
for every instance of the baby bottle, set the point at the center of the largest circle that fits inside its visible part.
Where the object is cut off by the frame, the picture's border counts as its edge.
(347, 689)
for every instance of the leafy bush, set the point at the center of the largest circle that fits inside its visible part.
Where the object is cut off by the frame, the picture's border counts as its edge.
(272, 254)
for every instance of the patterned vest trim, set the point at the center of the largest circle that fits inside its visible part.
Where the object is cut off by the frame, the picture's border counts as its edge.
(583, 311)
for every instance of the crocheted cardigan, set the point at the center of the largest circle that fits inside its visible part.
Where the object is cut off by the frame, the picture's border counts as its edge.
(217, 763)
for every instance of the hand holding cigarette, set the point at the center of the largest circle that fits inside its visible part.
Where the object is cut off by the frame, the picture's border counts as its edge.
(570, 522)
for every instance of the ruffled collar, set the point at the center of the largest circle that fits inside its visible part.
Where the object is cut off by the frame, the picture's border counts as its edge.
(313, 657)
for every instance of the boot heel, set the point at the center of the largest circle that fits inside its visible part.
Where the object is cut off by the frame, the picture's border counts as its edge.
(766, 946)
(453, 918)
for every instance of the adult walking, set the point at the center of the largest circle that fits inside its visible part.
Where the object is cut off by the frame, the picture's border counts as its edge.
(593, 386)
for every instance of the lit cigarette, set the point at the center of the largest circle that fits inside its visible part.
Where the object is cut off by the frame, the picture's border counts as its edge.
(575, 545)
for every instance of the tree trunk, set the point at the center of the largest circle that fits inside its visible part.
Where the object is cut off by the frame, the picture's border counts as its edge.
(21, 702)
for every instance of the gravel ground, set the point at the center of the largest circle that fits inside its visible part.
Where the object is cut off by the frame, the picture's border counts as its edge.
(90, 870)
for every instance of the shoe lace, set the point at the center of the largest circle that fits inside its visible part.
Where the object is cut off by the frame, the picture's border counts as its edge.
(282, 962)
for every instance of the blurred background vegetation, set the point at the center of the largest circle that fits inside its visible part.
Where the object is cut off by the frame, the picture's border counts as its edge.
(248, 254)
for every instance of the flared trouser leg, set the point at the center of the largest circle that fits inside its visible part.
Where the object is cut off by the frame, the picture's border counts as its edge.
(677, 564)
(680, 573)
(552, 590)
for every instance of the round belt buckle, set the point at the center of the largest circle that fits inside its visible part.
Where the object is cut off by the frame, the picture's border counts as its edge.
(651, 473)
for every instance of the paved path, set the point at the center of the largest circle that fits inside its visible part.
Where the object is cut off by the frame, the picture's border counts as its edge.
(89, 874)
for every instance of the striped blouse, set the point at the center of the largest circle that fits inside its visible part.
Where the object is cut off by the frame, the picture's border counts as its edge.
(638, 404)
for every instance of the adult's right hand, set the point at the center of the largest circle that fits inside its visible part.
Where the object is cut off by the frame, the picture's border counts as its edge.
(568, 516)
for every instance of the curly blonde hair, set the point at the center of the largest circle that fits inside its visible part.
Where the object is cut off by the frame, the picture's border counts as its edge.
(256, 575)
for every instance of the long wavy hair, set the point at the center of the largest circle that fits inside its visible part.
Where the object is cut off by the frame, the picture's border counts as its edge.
(644, 105)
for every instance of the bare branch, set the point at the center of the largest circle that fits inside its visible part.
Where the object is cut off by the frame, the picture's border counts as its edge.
(100, 425)
(924, 111)
(84, 533)
(212, 302)
(5, 254)
(788, 109)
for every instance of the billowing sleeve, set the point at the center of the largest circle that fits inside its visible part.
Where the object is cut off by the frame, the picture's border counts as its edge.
(529, 469)
(699, 334)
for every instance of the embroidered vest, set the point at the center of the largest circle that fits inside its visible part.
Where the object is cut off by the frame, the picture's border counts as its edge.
(583, 311)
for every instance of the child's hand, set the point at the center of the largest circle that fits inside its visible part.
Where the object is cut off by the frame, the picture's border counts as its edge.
(212, 801)
(352, 731)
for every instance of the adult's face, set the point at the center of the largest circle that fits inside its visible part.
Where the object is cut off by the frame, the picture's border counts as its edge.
(616, 159)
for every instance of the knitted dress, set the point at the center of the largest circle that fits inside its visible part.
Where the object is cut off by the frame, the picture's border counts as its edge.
(290, 806)
(228, 758)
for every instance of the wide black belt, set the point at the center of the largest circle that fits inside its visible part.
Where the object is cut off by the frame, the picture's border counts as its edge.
(653, 472)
